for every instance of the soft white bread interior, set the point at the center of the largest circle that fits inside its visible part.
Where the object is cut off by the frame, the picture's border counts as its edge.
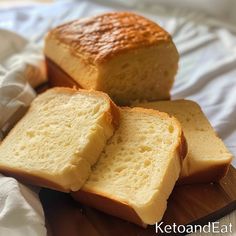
(58, 140)
(208, 159)
(126, 55)
(138, 168)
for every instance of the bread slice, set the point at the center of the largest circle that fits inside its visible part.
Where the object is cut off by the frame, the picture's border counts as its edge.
(208, 159)
(121, 53)
(138, 168)
(60, 137)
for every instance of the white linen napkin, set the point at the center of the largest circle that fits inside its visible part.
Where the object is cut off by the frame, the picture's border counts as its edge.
(21, 212)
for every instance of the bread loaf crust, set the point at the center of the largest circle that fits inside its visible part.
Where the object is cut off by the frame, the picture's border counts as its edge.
(104, 36)
(123, 54)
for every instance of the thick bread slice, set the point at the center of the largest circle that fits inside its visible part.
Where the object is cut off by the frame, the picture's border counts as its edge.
(208, 159)
(138, 168)
(59, 138)
(121, 53)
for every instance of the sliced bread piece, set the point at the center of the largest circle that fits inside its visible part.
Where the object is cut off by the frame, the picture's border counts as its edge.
(121, 53)
(59, 138)
(138, 168)
(208, 159)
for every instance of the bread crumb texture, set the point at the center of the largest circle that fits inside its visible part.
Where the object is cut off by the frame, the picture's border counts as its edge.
(138, 160)
(59, 138)
(205, 149)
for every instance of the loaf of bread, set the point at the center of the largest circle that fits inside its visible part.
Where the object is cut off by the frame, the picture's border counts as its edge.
(138, 168)
(58, 140)
(123, 54)
(208, 159)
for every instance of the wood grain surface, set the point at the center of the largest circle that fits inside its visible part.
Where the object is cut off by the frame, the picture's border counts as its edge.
(188, 204)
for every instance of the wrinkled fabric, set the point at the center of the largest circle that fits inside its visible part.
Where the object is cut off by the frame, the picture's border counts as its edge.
(20, 210)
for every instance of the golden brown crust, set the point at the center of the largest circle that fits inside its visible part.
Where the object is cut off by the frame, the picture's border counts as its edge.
(101, 37)
(183, 148)
(114, 114)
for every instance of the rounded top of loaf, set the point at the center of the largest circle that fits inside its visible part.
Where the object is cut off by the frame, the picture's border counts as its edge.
(99, 38)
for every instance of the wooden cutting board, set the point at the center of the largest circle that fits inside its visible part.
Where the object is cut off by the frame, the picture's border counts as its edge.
(188, 204)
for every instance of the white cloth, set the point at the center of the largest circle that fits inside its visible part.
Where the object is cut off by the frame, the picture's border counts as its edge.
(20, 210)
(19, 62)
(207, 70)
